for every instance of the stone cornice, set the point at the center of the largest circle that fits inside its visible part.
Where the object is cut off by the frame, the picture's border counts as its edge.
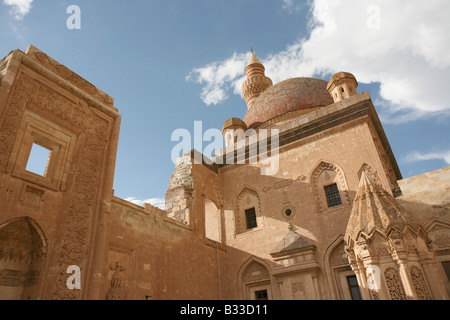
(66, 79)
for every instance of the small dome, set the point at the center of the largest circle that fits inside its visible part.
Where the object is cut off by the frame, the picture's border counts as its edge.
(339, 76)
(234, 123)
(286, 96)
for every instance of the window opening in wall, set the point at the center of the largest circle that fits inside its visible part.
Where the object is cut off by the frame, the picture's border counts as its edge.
(38, 160)
(250, 216)
(354, 288)
(261, 295)
(446, 266)
(333, 196)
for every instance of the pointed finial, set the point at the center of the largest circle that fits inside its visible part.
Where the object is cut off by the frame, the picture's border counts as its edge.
(253, 59)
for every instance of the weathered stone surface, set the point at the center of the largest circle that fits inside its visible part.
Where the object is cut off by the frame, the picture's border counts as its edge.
(227, 231)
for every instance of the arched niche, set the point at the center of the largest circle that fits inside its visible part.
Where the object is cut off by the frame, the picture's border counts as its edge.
(213, 225)
(255, 279)
(338, 270)
(23, 250)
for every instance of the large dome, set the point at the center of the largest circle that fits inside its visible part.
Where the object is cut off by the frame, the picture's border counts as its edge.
(286, 96)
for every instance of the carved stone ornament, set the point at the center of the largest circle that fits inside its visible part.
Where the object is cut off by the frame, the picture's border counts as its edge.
(115, 292)
(87, 182)
(394, 284)
(316, 189)
(420, 284)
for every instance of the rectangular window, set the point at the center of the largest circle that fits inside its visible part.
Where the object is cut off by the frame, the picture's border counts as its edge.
(38, 160)
(446, 265)
(250, 216)
(354, 288)
(333, 196)
(261, 295)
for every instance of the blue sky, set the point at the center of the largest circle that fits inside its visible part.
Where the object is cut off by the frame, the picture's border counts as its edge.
(168, 63)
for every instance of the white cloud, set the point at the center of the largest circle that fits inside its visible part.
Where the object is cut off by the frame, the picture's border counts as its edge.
(402, 45)
(291, 6)
(416, 156)
(156, 202)
(20, 8)
(217, 77)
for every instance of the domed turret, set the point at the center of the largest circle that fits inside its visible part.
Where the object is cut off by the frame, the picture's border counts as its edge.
(342, 86)
(234, 129)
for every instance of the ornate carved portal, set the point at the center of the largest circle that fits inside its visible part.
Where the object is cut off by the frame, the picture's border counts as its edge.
(85, 186)
(22, 255)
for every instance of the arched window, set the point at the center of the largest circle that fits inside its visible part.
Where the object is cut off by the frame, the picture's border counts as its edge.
(248, 211)
(328, 186)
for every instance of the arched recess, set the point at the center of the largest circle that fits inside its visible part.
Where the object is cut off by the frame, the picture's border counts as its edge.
(325, 174)
(246, 200)
(213, 225)
(211, 190)
(254, 277)
(23, 248)
(338, 270)
(438, 231)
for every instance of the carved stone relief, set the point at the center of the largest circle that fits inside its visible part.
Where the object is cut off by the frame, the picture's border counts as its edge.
(69, 75)
(31, 198)
(420, 284)
(298, 290)
(85, 186)
(255, 272)
(371, 172)
(115, 292)
(394, 284)
(22, 254)
(338, 257)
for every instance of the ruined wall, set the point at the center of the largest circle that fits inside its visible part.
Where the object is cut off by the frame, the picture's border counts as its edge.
(179, 191)
(156, 257)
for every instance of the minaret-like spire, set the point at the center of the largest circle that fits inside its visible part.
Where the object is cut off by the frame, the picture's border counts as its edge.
(256, 82)
(389, 252)
(375, 209)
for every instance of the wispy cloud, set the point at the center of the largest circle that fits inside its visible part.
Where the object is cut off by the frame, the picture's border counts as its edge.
(416, 156)
(291, 6)
(20, 8)
(218, 77)
(156, 202)
(401, 45)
